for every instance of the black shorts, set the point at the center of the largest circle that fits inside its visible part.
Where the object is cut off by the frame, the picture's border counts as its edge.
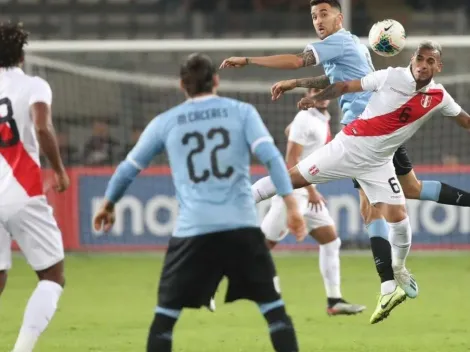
(401, 161)
(194, 267)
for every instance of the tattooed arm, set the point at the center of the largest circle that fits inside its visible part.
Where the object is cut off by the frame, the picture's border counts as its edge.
(320, 82)
(284, 61)
(333, 91)
(281, 87)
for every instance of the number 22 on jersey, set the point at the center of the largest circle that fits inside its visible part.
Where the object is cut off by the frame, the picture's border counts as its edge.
(200, 139)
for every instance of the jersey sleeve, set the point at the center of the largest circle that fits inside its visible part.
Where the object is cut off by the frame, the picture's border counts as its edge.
(327, 49)
(374, 81)
(450, 108)
(150, 144)
(299, 129)
(40, 92)
(255, 130)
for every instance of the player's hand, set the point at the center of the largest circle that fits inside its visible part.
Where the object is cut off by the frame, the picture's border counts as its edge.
(315, 199)
(234, 62)
(295, 220)
(62, 181)
(280, 87)
(306, 103)
(104, 218)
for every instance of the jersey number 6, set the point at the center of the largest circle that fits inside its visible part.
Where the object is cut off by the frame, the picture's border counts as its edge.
(200, 145)
(12, 132)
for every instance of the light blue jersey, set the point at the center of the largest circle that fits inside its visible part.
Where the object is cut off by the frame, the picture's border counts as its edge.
(208, 141)
(344, 58)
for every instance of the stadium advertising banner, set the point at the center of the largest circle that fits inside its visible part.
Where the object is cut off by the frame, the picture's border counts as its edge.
(146, 215)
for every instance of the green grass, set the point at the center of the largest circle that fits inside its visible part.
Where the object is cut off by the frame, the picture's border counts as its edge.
(108, 305)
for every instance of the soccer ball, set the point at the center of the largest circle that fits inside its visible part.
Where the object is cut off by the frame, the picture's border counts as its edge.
(387, 38)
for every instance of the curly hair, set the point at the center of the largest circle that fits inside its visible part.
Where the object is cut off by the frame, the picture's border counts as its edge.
(12, 40)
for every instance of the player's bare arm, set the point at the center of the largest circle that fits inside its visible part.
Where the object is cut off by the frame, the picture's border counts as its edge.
(463, 120)
(279, 88)
(45, 132)
(293, 155)
(333, 91)
(284, 61)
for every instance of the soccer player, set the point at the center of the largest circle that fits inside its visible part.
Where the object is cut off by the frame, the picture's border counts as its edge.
(25, 216)
(309, 131)
(344, 58)
(208, 141)
(402, 100)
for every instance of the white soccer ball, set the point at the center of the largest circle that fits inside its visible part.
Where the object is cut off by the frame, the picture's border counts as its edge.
(387, 38)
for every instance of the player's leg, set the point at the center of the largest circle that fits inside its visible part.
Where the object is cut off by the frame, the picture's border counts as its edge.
(5, 257)
(323, 230)
(400, 239)
(35, 230)
(190, 275)
(323, 165)
(426, 190)
(377, 229)
(382, 189)
(252, 275)
(274, 224)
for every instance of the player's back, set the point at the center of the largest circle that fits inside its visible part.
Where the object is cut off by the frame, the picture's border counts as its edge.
(20, 174)
(210, 157)
(344, 58)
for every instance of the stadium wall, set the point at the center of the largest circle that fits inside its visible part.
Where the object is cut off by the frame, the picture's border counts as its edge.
(146, 214)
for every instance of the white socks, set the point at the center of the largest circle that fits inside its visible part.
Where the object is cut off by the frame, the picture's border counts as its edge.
(388, 287)
(330, 268)
(400, 241)
(263, 189)
(39, 311)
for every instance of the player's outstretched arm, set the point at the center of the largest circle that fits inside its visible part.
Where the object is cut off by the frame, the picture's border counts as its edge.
(281, 87)
(284, 61)
(150, 143)
(463, 120)
(333, 91)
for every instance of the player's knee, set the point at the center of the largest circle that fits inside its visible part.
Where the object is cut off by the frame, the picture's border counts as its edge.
(275, 314)
(270, 243)
(412, 190)
(396, 213)
(370, 214)
(3, 280)
(55, 273)
(298, 181)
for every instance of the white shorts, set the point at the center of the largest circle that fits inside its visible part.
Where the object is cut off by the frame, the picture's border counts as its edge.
(334, 162)
(274, 225)
(33, 227)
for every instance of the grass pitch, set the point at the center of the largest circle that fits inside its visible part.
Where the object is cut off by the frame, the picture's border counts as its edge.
(109, 300)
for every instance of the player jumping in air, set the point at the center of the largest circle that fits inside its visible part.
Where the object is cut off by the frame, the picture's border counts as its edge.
(25, 216)
(402, 100)
(310, 131)
(208, 141)
(344, 58)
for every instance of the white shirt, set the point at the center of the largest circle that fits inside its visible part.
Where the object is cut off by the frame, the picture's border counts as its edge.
(20, 171)
(396, 110)
(310, 129)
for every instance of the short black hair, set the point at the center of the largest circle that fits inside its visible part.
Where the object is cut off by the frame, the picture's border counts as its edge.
(12, 40)
(197, 74)
(332, 3)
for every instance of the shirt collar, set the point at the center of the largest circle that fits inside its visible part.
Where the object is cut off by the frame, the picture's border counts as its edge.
(202, 98)
(324, 117)
(11, 69)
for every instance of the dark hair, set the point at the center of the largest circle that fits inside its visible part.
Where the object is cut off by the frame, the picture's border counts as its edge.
(12, 40)
(429, 45)
(197, 74)
(332, 3)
